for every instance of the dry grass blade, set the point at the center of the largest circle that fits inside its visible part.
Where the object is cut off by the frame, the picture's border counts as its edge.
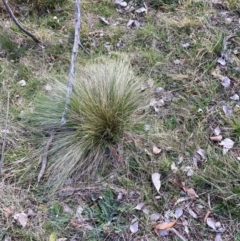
(5, 134)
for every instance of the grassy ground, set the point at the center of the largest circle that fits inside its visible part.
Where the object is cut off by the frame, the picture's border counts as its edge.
(176, 49)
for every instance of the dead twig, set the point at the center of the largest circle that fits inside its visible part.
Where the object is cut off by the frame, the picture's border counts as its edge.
(69, 87)
(44, 156)
(73, 60)
(5, 134)
(17, 23)
(84, 49)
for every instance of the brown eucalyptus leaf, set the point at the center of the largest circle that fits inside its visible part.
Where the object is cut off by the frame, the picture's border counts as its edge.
(165, 225)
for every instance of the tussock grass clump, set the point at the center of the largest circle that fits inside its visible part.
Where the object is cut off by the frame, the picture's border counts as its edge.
(103, 106)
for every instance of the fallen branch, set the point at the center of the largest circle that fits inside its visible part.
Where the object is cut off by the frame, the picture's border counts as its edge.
(5, 134)
(69, 86)
(73, 60)
(17, 23)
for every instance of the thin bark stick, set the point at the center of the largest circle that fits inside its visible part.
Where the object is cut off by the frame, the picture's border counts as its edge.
(69, 87)
(5, 134)
(44, 156)
(83, 48)
(73, 60)
(17, 23)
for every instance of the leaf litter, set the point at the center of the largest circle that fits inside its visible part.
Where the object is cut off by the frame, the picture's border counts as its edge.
(156, 181)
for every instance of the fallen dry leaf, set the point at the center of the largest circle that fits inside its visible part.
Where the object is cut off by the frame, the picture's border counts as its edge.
(139, 206)
(156, 150)
(155, 216)
(8, 211)
(202, 153)
(189, 170)
(174, 167)
(178, 213)
(216, 138)
(165, 225)
(206, 216)
(185, 224)
(22, 82)
(162, 232)
(221, 61)
(211, 223)
(190, 192)
(181, 199)
(227, 110)
(180, 160)
(22, 218)
(141, 10)
(145, 210)
(156, 181)
(235, 97)
(217, 131)
(134, 225)
(218, 237)
(31, 213)
(227, 144)
(226, 82)
(192, 213)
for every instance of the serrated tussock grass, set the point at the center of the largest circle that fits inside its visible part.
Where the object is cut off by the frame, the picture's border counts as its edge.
(104, 105)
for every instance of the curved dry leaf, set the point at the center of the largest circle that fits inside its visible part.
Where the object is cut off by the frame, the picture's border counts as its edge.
(191, 193)
(156, 181)
(141, 10)
(22, 218)
(165, 225)
(139, 206)
(226, 82)
(155, 216)
(134, 225)
(202, 153)
(217, 131)
(31, 213)
(235, 97)
(156, 150)
(178, 213)
(174, 167)
(216, 138)
(22, 82)
(145, 210)
(180, 160)
(218, 237)
(206, 216)
(211, 223)
(181, 199)
(192, 213)
(8, 211)
(221, 61)
(227, 144)
(227, 110)
(163, 232)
